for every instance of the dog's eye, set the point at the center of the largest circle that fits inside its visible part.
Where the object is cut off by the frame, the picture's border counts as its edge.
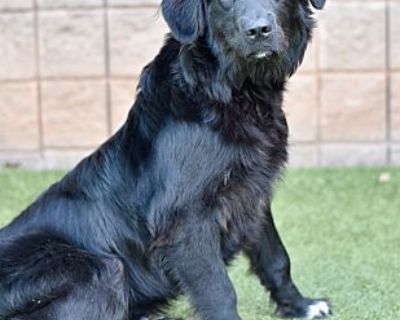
(226, 4)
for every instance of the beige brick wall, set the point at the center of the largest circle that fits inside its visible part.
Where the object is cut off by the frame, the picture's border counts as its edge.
(68, 71)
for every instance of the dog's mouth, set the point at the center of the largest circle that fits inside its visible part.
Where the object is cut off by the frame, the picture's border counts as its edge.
(261, 54)
(267, 49)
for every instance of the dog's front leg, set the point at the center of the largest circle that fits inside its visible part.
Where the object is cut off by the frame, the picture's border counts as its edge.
(270, 261)
(197, 265)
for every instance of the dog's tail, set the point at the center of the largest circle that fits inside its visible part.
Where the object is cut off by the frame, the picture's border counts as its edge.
(39, 268)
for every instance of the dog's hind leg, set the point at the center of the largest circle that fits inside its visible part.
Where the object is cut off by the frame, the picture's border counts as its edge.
(42, 277)
(270, 261)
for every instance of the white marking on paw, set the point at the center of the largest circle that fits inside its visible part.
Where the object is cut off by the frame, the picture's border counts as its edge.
(318, 310)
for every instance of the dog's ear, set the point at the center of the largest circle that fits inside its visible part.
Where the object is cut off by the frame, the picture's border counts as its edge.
(185, 18)
(318, 4)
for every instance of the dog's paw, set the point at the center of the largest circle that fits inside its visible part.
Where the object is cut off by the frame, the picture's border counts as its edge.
(318, 309)
(306, 308)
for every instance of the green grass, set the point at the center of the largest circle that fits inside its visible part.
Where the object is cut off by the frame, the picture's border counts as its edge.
(341, 228)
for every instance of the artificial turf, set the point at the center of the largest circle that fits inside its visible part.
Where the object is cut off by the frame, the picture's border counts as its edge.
(341, 228)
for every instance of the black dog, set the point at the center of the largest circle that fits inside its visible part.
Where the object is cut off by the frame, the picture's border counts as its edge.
(182, 187)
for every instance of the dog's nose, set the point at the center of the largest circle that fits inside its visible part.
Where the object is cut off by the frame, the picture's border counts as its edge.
(258, 29)
(259, 32)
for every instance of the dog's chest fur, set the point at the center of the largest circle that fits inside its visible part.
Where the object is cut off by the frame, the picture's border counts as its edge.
(255, 124)
(226, 164)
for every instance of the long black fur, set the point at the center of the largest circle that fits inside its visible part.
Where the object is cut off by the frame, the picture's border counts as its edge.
(176, 193)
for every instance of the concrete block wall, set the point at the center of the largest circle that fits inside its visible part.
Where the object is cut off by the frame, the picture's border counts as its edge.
(69, 68)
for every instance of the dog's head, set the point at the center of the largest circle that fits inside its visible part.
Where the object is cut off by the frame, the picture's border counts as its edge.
(254, 31)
